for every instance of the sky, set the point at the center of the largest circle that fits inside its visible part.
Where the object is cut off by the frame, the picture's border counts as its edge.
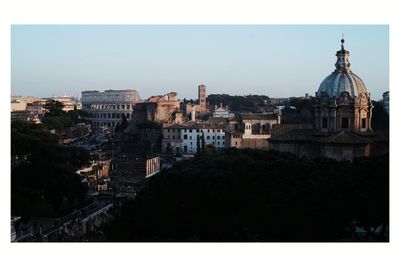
(273, 60)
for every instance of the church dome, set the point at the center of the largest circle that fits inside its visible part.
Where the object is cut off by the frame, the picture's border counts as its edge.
(342, 79)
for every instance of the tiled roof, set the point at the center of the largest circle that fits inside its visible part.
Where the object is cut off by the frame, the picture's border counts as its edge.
(308, 135)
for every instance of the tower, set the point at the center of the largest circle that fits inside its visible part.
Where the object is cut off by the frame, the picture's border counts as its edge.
(202, 98)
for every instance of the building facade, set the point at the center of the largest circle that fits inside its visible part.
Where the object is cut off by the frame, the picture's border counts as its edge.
(107, 108)
(157, 108)
(186, 138)
(37, 108)
(251, 130)
(222, 112)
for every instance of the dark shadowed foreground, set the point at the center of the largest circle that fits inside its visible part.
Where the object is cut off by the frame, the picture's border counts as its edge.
(250, 195)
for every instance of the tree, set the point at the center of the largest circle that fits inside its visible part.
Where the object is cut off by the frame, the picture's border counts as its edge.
(124, 122)
(198, 146)
(43, 178)
(58, 122)
(254, 195)
(203, 142)
(54, 108)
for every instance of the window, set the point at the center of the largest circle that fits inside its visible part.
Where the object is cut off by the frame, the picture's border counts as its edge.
(213, 137)
(324, 123)
(190, 137)
(122, 106)
(235, 143)
(218, 143)
(208, 137)
(363, 123)
(190, 130)
(218, 137)
(185, 136)
(345, 123)
(168, 130)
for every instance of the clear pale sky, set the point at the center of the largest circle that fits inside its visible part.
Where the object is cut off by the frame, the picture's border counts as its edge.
(273, 60)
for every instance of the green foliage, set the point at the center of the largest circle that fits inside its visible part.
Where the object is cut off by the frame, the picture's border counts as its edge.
(43, 181)
(252, 195)
(121, 126)
(28, 137)
(249, 103)
(54, 108)
(58, 122)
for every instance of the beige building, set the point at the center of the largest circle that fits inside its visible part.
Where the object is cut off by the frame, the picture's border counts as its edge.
(20, 103)
(251, 130)
(37, 107)
(157, 108)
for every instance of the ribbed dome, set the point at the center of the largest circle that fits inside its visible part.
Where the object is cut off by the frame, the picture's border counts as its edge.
(338, 82)
(342, 79)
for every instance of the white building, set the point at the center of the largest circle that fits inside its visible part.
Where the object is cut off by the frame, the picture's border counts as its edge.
(107, 108)
(222, 112)
(186, 138)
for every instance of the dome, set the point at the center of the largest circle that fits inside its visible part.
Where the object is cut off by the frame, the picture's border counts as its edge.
(339, 82)
(342, 79)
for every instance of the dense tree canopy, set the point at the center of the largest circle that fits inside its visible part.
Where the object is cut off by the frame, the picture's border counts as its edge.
(54, 108)
(249, 103)
(43, 179)
(251, 195)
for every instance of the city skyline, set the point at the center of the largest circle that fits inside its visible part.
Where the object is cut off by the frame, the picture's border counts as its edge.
(155, 59)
